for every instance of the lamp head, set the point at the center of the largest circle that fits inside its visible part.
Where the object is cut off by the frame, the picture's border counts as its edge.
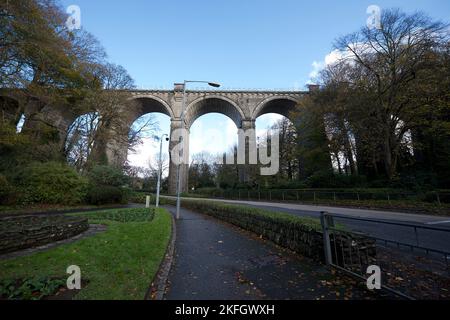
(214, 84)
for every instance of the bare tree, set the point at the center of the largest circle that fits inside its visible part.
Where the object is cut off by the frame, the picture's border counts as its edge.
(113, 130)
(383, 63)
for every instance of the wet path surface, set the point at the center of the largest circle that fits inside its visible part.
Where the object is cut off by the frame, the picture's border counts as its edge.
(217, 261)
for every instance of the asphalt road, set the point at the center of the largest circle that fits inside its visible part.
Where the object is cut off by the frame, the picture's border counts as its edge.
(438, 240)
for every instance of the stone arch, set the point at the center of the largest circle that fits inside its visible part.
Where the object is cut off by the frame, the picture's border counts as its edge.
(137, 106)
(282, 105)
(211, 104)
(143, 104)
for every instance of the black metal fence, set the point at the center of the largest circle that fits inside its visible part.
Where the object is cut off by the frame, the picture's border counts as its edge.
(328, 195)
(411, 267)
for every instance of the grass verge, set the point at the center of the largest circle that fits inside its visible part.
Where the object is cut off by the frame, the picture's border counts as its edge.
(118, 264)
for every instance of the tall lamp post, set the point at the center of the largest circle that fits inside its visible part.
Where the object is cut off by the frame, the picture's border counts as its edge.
(183, 107)
(158, 186)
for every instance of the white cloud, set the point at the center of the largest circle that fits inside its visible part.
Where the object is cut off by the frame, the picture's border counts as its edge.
(317, 67)
(331, 58)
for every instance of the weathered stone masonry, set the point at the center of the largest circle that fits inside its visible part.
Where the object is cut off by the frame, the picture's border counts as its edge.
(243, 107)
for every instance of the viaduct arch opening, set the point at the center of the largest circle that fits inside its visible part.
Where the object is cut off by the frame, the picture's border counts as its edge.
(279, 105)
(213, 104)
(194, 110)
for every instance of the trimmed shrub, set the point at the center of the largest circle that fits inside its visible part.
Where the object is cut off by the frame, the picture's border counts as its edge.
(107, 176)
(107, 185)
(50, 183)
(140, 197)
(99, 195)
(328, 179)
(5, 190)
(433, 196)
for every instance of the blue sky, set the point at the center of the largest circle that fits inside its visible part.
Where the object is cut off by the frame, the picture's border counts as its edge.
(269, 44)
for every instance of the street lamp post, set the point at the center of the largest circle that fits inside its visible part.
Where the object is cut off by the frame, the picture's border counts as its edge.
(158, 186)
(183, 107)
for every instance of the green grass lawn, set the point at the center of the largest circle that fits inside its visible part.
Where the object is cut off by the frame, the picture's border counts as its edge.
(118, 264)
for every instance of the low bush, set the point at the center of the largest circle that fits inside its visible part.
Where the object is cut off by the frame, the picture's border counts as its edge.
(436, 196)
(99, 195)
(107, 185)
(208, 191)
(34, 288)
(327, 179)
(107, 176)
(140, 197)
(5, 190)
(230, 212)
(50, 183)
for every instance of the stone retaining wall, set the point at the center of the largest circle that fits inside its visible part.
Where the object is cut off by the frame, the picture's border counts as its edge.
(17, 233)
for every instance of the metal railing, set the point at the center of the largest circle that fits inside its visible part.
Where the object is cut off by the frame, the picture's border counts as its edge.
(405, 265)
(303, 195)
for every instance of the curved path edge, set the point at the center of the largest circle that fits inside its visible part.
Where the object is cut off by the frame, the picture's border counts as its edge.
(158, 286)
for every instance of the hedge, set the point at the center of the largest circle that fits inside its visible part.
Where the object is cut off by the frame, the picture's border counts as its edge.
(50, 183)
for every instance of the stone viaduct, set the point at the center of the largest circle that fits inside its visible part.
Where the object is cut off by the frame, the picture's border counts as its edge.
(242, 107)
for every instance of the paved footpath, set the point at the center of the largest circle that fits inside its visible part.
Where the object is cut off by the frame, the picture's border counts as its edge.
(217, 261)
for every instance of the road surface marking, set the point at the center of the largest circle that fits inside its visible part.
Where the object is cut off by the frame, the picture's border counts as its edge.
(439, 222)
